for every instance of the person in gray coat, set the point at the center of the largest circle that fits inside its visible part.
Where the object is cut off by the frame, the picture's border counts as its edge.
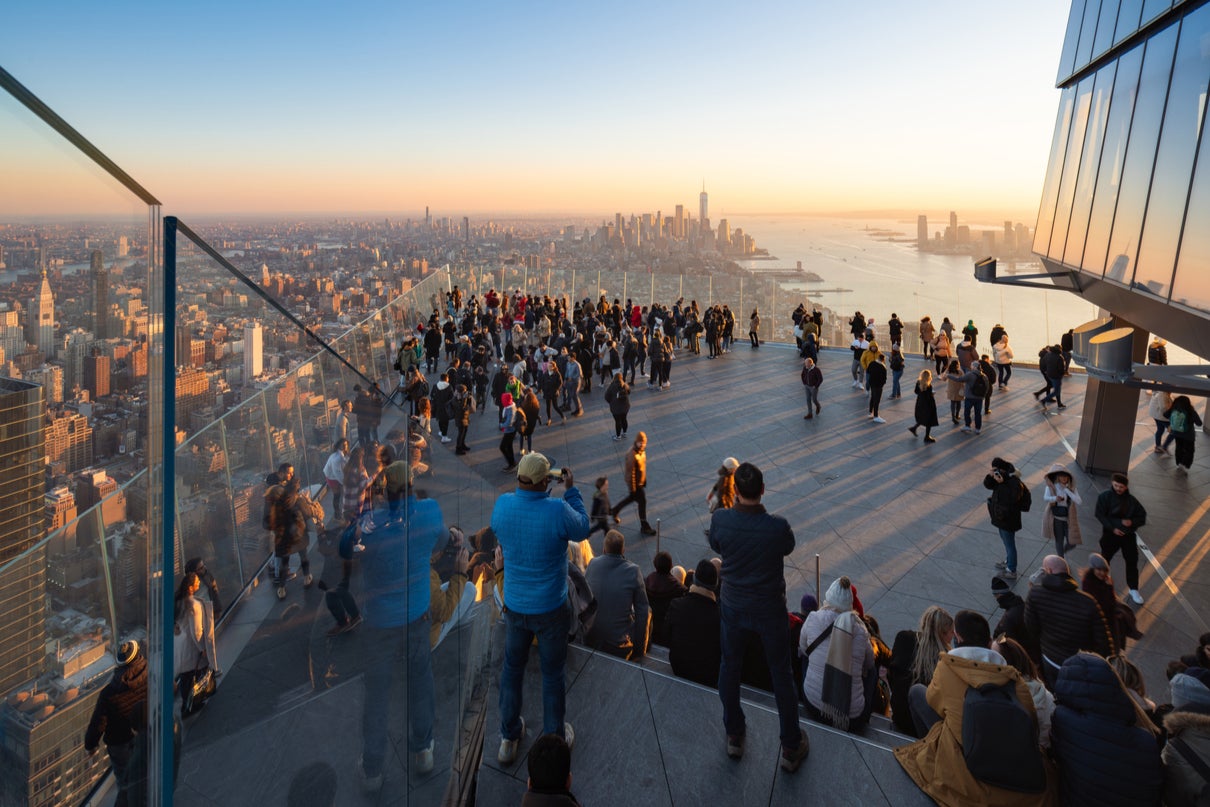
(623, 623)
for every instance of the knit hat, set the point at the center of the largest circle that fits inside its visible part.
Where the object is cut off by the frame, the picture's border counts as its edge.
(1000, 586)
(533, 468)
(128, 652)
(808, 604)
(1097, 561)
(1191, 688)
(705, 575)
(838, 597)
(730, 463)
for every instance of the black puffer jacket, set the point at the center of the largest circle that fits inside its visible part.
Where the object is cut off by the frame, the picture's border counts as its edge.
(1064, 619)
(121, 709)
(1104, 757)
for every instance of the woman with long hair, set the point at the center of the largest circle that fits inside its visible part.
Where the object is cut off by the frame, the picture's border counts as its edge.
(913, 660)
(955, 390)
(1182, 424)
(1044, 702)
(194, 650)
(754, 329)
(926, 406)
(355, 483)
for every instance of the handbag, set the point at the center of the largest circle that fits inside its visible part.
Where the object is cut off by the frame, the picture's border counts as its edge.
(203, 687)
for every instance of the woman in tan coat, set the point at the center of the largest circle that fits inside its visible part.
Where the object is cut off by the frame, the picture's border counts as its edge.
(1059, 521)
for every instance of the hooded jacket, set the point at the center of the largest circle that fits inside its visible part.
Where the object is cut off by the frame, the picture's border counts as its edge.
(1106, 755)
(443, 393)
(1183, 785)
(1048, 521)
(935, 763)
(121, 707)
(1065, 620)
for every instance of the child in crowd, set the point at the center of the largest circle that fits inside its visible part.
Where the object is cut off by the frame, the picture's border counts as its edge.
(600, 507)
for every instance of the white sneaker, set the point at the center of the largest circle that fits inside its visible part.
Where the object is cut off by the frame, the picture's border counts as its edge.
(371, 784)
(445, 439)
(569, 736)
(508, 748)
(1136, 596)
(281, 592)
(424, 760)
(879, 420)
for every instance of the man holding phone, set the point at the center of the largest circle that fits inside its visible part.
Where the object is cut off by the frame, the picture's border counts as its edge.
(533, 530)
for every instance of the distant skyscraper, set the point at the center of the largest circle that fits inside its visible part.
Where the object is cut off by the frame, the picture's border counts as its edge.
(100, 296)
(254, 352)
(466, 229)
(96, 374)
(678, 226)
(123, 246)
(702, 207)
(922, 231)
(40, 322)
(22, 525)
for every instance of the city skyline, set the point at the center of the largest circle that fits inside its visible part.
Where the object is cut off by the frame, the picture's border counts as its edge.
(789, 109)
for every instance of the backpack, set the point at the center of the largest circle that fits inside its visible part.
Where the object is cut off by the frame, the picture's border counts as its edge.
(1000, 739)
(1177, 421)
(979, 385)
(1025, 499)
(581, 602)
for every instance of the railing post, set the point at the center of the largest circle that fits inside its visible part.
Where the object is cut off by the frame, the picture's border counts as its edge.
(163, 694)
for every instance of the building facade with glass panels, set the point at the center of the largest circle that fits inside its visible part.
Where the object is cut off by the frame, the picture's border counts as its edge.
(1126, 201)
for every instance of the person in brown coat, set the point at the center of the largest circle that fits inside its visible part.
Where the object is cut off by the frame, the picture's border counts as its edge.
(936, 763)
(636, 482)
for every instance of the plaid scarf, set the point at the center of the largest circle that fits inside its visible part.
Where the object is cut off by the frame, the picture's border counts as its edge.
(837, 692)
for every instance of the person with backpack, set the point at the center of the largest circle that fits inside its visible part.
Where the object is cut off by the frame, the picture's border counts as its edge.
(897, 365)
(980, 743)
(812, 380)
(1182, 420)
(1008, 500)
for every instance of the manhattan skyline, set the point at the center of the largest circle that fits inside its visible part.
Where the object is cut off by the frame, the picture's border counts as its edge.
(781, 108)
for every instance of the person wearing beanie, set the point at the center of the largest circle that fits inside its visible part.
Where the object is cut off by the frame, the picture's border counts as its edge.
(1098, 584)
(1188, 727)
(838, 661)
(508, 429)
(1121, 515)
(119, 717)
(534, 530)
(722, 493)
(692, 628)
(753, 544)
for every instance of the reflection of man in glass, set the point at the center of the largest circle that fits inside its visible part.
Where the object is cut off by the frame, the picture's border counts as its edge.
(396, 575)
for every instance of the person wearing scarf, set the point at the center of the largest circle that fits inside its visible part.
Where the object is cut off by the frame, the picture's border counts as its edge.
(836, 668)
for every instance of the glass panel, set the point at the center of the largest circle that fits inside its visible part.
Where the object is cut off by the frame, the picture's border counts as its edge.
(1191, 286)
(1071, 40)
(1086, 179)
(1054, 172)
(1153, 9)
(1113, 154)
(1128, 19)
(1140, 155)
(1087, 34)
(1067, 187)
(1183, 117)
(1105, 24)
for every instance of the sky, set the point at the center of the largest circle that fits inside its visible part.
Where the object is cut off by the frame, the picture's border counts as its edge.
(536, 107)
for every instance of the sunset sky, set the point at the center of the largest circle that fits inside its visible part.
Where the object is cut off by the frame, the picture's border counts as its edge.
(385, 107)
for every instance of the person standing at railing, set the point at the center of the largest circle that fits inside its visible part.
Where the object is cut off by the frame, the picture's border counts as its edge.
(334, 470)
(928, 332)
(194, 649)
(754, 329)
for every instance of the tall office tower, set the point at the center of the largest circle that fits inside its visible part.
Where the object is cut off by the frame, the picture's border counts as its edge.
(40, 319)
(254, 352)
(428, 219)
(95, 485)
(61, 511)
(724, 235)
(954, 220)
(76, 346)
(68, 442)
(466, 229)
(1010, 238)
(100, 296)
(96, 374)
(12, 336)
(50, 378)
(123, 246)
(702, 210)
(678, 225)
(22, 525)
(922, 231)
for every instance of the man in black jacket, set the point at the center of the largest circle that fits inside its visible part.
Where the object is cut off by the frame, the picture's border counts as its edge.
(1121, 515)
(1053, 368)
(692, 628)
(753, 544)
(119, 716)
(1064, 619)
(1008, 500)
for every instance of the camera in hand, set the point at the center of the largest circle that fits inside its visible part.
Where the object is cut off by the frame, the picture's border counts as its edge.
(556, 474)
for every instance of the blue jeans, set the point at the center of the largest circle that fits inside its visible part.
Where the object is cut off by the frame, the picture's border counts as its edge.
(895, 376)
(975, 405)
(1056, 391)
(1010, 548)
(551, 630)
(387, 648)
(774, 635)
